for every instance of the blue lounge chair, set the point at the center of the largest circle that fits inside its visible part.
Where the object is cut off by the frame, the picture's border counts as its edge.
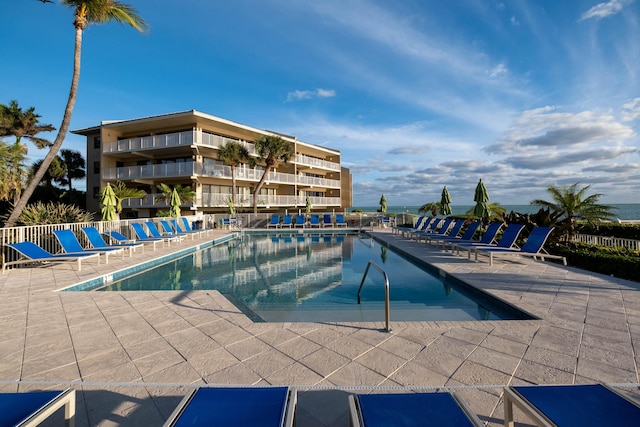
(169, 230)
(287, 221)
(409, 231)
(187, 231)
(97, 242)
(437, 226)
(445, 231)
(315, 221)
(427, 227)
(326, 220)
(533, 247)
(571, 405)
(275, 221)
(156, 234)
(416, 226)
(121, 238)
(508, 239)
(33, 408)
(187, 227)
(71, 245)
(300, 221)
(33, 253)
(466, 236)
(142, 235)
(340, 222)
(487, 238)
(410, 409)
(236, 406)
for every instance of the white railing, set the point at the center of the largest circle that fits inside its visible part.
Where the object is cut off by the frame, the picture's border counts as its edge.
(608, 241)
(222, 200)
(315, 162)
(198, 137)
(188, 169)
(149, 171)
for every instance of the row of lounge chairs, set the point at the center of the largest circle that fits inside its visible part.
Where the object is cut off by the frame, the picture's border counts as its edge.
(290, 221)
(545, 405)
(172, 231)
(446, 232)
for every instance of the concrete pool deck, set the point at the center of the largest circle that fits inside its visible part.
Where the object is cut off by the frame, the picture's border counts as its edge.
(132, 356)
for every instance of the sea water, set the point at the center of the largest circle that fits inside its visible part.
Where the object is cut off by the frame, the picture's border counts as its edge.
(625, 212)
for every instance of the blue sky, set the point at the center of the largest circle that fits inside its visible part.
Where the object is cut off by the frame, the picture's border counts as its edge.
(416, 94)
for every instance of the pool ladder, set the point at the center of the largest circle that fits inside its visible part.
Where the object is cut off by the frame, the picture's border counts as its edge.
(386, 292)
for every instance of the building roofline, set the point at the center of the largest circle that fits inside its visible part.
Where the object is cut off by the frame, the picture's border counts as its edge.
(195, 113)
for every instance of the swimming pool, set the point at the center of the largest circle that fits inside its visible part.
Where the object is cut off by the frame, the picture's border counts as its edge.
(292, 277)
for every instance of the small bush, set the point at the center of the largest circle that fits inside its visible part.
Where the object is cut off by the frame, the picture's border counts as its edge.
(611, 229)
(52, 213)
(618, 262)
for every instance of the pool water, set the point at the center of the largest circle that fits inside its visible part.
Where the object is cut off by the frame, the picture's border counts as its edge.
(315, 278)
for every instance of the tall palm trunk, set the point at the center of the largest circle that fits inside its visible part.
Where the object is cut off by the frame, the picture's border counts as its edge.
(233, 184)
(62, 132)
(259, 187)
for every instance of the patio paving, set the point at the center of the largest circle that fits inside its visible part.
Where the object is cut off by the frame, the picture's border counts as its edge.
(132, 356)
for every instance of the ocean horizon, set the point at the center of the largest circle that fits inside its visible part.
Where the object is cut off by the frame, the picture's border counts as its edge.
(625, 212)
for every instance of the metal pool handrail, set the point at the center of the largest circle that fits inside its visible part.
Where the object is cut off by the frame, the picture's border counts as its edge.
(386, 292)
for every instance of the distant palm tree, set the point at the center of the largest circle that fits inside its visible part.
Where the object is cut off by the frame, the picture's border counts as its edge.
(272, 150)
(14, 121)
(55, 173)
(232, 154)
(432, 207)
(122, 192)
(74, 166)
(86, 12)
(570, 205)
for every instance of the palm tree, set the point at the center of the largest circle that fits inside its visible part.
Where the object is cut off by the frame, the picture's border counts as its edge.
(55, 173)
(570, 205)
(13, 171)
(432, 207)
(16, 122)
(74, 166)
(122, 192)
(86, 12)
(185, 193)
(272, 150)
(21, 124)
(232, 154)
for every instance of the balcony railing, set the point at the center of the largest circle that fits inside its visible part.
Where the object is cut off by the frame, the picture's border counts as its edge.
(301, 159)
(221, 200)
(191, 137)
(189, 169)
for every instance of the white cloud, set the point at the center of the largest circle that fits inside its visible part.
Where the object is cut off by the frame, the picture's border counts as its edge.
(298, 95)
(631, 110)
(547, 127)
(602, 10)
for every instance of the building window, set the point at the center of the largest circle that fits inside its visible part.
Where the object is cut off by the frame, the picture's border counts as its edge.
(96, 167)
(96, 192)
(96, 142)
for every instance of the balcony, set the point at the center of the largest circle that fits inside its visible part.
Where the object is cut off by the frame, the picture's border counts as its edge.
(189, 169)
(221, 200)
(192, 137)
(301, 159)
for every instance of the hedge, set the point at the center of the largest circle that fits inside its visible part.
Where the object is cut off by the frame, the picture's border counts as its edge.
(611, 229)
(618, 262)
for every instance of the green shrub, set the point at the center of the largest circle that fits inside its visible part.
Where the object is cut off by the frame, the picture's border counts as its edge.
(612, 229)
(618, 262)
(52, 213)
